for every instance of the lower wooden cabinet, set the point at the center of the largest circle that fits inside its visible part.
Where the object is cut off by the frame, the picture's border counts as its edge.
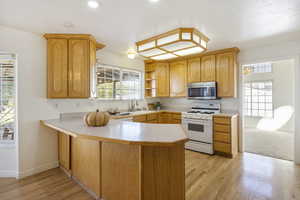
(226, 135)
(64, 151)
(162, 117)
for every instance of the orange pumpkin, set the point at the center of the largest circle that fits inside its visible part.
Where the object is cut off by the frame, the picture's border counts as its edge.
(96, 118)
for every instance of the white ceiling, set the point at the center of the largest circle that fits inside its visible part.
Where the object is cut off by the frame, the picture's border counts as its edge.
(120, 23)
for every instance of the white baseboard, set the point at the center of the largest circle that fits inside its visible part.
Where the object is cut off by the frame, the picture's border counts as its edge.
(8, 174)
(37, 169)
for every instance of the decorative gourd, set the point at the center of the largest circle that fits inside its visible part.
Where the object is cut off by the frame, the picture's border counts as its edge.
(96, 118)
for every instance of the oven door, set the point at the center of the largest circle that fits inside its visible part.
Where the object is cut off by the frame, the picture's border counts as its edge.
(202, 93)
(198, 130)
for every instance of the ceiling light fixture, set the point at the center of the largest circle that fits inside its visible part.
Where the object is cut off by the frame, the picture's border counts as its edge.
(172, 44)
(93, 4)
(131, 53)
(154, 1)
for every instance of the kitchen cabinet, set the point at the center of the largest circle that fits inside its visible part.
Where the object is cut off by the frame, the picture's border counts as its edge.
(162, 73)
(219, 66)
(208, 68)
(57, 54)
(79, 69)
(178, 79)
(70, 59)
(194, 70)
(64, 151)
(225, 135)
(226, 72)
(161, 117)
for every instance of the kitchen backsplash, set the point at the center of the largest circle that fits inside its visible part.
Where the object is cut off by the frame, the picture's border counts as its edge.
(227, 105)
(87, 105)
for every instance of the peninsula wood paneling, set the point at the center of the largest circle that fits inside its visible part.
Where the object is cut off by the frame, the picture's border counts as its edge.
(79, 70)
(57, 58)
(178, 79)
(86, 163)
(194, 71)
(162, 73)
(163, 173)
(121, 171)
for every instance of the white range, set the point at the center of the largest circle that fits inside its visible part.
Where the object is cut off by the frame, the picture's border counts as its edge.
(198, 124)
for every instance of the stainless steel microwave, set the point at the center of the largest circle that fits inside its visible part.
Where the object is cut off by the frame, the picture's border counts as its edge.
(202, 90)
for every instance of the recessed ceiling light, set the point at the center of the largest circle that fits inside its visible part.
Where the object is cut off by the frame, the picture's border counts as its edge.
(154, 1)
(93, 4)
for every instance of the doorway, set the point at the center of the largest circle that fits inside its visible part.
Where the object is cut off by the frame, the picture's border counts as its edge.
(268, 108)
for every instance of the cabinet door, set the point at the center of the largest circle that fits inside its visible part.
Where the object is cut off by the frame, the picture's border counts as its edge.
(208, 68)
(64, 150)
(178, 79)
(194, 70)
(57, 80)
(162, 73)
(226, 75)
(79, 69)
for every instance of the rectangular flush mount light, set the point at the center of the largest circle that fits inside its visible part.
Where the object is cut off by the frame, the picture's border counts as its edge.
(172, 44)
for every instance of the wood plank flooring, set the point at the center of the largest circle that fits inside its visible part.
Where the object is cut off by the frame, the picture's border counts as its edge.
(247, 177)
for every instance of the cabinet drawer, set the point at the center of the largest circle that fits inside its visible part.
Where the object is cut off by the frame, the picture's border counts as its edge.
(165, 115)
(176, 116)
(140, 118)
(176, 121)
(222, 147)
(154, 121)
(222, 137)
(222, 120)
(221, 128)
(152, 116)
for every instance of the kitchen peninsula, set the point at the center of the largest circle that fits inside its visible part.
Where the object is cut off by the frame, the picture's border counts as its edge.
(123, 160)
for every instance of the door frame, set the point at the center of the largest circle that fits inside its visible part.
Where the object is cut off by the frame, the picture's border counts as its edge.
(297, 101)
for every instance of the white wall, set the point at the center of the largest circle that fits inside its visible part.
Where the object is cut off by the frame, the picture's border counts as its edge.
(37, 149)
(283, 90)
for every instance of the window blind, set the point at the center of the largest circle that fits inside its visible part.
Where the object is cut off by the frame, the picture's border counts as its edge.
(7, 97)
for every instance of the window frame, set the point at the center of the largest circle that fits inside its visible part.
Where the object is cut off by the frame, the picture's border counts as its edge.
(94, 91)
(245, 108)
(12, 58)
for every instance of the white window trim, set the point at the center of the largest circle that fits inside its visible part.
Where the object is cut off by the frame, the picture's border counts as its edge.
(94, 82)
(258, 81)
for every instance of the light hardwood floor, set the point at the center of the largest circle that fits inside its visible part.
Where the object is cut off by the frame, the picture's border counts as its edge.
(247, 177)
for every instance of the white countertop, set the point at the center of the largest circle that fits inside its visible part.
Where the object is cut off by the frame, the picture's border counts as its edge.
(121, 131)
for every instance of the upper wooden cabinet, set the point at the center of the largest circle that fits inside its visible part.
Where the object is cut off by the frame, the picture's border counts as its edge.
(57, 68)
(178, 79)
(219, 66)
(70, 60)
(79, 69)
(226, 72)
(194, 71)
(208, 68)
(162, 79)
